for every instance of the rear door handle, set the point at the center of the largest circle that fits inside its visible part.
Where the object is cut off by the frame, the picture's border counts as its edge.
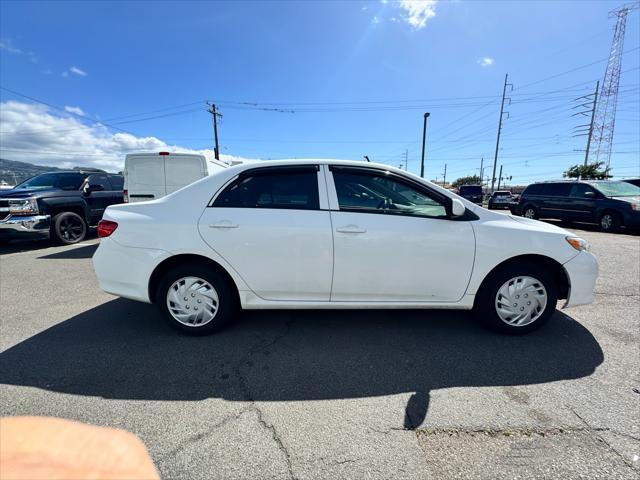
(351, 229)
(223, 224)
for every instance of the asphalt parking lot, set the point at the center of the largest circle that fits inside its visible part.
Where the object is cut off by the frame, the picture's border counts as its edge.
(331, 394)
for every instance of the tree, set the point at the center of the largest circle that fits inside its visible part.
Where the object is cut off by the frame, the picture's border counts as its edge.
(470, 180)
(590, 171)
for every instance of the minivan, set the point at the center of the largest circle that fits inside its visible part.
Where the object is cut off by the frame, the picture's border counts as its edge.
(611, 204)
(148, 176)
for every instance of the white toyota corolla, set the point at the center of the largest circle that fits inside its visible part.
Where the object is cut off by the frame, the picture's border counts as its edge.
(335, 234)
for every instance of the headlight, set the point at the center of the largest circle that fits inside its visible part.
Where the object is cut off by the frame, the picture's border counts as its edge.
(23, 205)
(578, 243)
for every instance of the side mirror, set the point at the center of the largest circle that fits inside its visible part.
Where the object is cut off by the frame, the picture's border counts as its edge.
(93, 188)
(589, 194)
(457, 208)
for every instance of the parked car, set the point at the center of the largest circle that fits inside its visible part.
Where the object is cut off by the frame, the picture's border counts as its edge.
(335, 234)
(58, 205)
(633, 181)
(473, 193)
(148, 176)
(611, 204)
(500, 199)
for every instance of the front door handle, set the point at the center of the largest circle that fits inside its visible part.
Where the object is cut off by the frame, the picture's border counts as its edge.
(351, 229)
(223, 224)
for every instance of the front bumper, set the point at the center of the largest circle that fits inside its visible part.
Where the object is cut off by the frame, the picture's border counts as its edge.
(20, 227)
(582, 271)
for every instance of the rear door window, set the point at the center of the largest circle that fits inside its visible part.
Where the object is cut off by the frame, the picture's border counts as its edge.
(558, 189)
(100, 179)
(277, 187)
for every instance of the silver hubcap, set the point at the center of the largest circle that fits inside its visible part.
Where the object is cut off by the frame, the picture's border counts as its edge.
(520, 301)
(192, 301)
(530, 213)
(606, 222)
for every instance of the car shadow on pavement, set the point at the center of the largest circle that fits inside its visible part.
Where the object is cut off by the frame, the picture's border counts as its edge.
(124, 350)
(86, 251)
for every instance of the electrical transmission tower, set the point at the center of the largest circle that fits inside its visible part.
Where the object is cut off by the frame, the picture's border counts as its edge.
(605, 118)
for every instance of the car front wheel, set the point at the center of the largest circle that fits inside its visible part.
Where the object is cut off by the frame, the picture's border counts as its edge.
(68, 228)
(196, 300)
(517, 298)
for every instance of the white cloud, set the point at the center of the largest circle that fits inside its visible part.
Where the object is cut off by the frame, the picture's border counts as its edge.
(76, 110)
(485, 61)
(32, 133)
(417, 12)
(78, 71)
(7, 46)
(375, 20)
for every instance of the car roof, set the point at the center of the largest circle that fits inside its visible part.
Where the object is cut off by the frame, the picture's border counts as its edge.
(314, 161)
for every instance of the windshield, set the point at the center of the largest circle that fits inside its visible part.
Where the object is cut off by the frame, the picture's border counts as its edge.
(617, 189)
(64, 181)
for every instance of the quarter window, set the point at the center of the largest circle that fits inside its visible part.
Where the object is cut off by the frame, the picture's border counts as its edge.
(379, 193)
(295, 188)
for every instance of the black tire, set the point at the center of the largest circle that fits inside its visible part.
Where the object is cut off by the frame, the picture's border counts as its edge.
(227, 305)
(68, 228)
(610, 222)
(485, 307)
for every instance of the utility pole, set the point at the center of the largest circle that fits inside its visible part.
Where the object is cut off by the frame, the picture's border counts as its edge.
(593, 117)
(424, 136)
(499, 177)
(608, 102)
(406, 159)
(495, 157)
(444, 176)
(587, 129)
(215, 114)
(481, 170)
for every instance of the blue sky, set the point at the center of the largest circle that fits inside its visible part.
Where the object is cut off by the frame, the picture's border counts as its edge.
(358, 75)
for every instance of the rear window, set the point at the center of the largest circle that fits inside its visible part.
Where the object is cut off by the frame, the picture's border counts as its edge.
(293, 188)
(470, 190)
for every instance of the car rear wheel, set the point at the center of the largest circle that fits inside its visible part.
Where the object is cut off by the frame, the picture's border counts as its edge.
(530, 212)
(196, 300)
(68, 228)
(610, 222)
(517, 298)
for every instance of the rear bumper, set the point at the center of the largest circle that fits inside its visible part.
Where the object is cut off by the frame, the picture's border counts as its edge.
(22, 227)
(632, 220)
(125, 271)
(582, 271)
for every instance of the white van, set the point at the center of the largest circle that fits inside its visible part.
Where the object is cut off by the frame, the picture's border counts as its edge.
(148, 176)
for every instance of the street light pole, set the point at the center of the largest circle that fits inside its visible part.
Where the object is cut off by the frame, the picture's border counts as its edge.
(424, 136)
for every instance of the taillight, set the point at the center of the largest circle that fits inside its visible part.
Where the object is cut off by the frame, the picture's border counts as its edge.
(125, 194)
(106, 228)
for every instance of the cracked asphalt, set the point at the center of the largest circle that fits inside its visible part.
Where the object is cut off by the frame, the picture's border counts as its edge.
(331, 394)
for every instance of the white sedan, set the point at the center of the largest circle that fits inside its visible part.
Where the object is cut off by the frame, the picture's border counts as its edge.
(335, 234)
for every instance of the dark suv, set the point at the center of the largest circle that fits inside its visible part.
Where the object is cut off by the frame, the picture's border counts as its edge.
(473, 193)
(608, 203)
(60, 205)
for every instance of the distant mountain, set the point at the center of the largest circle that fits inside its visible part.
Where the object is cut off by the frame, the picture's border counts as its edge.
(13, 172)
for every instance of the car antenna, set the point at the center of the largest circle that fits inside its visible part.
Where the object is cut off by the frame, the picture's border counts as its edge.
(366, 157)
